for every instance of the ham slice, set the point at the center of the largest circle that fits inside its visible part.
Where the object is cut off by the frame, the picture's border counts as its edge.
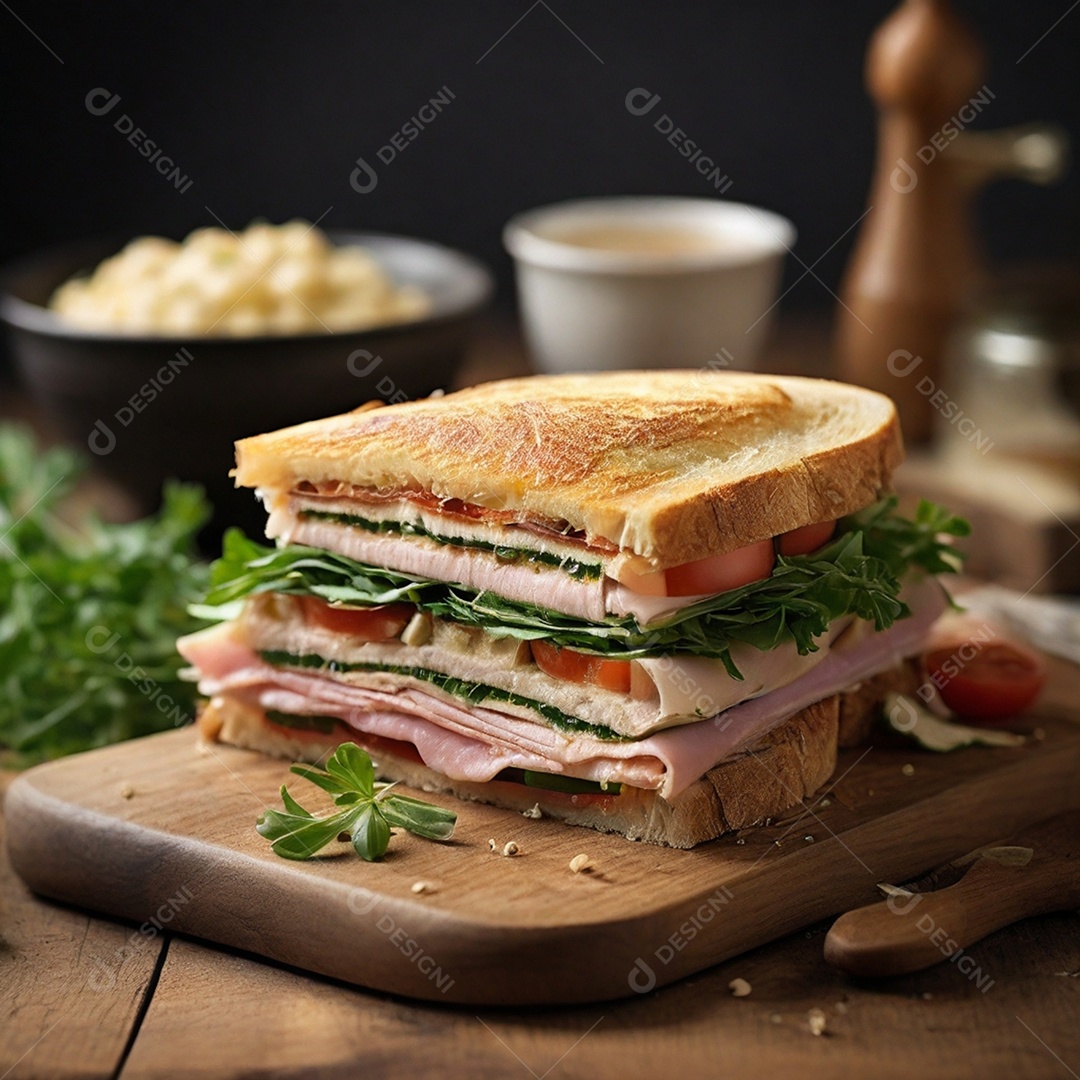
(475, 743)
(527, 582)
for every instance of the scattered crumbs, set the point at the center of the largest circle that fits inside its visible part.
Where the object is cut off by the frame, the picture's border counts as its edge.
(535, 813)
(126, 791)
(825, 802)
(808, 839)
(869, 791)
(741, 841)
(1068, 974)
(776, 843)
(1038, 734)
(908, 769)
(815, 1018)
(841, 1007)
(776, 1018)
(739, 988)
(419, 887)
(927, 996)
(492, 846)
(579, 863)
(510, 848)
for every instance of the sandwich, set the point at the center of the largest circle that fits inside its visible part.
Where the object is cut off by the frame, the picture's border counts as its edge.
(652, 603)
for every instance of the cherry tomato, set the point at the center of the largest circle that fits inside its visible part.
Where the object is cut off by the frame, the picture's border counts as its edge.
(576, 667)
(987, 682)
(808, 538)
(718, 573)
(381, 623)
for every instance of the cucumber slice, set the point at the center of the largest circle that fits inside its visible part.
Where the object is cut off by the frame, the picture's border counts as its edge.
(569, 784)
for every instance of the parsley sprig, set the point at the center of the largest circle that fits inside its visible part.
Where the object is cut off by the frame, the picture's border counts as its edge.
(89, 611)
(368, 811)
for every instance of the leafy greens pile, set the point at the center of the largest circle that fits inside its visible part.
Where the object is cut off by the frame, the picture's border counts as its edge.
(857, 573)
(89, 617)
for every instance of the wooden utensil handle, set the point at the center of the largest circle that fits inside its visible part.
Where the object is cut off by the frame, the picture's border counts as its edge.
(906, 934)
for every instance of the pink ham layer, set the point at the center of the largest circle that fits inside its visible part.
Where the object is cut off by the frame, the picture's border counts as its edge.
(476, 743)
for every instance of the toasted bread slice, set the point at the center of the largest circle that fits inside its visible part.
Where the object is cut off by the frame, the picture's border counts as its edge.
(673, 466)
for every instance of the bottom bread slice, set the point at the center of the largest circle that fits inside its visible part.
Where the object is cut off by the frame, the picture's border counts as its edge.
(789, 764)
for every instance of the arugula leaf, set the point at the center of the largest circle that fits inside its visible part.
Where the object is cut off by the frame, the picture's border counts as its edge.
(417, 817)
(299, 836)
(858, 573)
(370, 833)
(370, 809)
(89, 616)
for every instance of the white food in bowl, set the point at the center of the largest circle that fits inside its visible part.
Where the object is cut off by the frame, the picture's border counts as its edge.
(268, 279)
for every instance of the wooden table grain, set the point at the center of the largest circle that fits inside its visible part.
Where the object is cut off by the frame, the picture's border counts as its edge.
(89, 997)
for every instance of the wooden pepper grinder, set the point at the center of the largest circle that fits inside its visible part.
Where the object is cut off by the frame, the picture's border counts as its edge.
(914, 258)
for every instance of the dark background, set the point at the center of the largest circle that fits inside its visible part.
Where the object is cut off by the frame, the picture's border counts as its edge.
(266, 107)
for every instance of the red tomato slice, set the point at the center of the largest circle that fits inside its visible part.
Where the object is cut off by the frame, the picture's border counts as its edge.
(718, 573)
(990, 682)
(368, 624)
(576, 667)
(808, 538)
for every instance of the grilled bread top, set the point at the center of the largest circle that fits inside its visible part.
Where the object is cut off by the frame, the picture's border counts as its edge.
(672, 465)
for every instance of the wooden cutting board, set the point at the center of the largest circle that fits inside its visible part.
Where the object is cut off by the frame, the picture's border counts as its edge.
(161, 831)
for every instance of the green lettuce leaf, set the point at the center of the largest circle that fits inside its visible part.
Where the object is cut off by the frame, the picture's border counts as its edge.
(858, 573)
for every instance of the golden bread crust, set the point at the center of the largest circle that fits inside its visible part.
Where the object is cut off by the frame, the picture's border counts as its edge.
(672, 465)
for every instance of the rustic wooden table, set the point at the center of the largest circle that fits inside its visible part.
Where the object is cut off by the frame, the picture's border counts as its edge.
(85, 996)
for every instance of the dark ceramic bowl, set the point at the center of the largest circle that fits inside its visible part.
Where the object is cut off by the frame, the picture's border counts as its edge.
(149, 408)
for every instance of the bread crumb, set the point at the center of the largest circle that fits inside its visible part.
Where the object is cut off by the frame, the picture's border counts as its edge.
(579, 863)
(815, 1018)
(1038, 734)
(510, 848)
(739, 988)
(908, 770)
(741, 840)
(869, 791)
(776, 1018)
(927, 996)
(841, 1007)
(825, 802)
(535, 813)
(808, 839)
(126, 791)
(419, 887)
(492, 846)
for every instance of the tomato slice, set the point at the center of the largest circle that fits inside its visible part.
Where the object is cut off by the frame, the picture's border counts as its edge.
(381, 623)
(808, 538)
(718, 573)
(987, 681)
(576, 667)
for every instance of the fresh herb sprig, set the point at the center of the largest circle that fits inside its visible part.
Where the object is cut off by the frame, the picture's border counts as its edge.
(368, 811)
(89, 612)
(858, 573)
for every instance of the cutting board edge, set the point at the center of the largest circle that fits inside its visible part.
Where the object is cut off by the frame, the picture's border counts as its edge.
(41, 821)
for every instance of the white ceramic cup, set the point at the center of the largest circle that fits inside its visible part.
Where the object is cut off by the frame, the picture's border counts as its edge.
(703, 299)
